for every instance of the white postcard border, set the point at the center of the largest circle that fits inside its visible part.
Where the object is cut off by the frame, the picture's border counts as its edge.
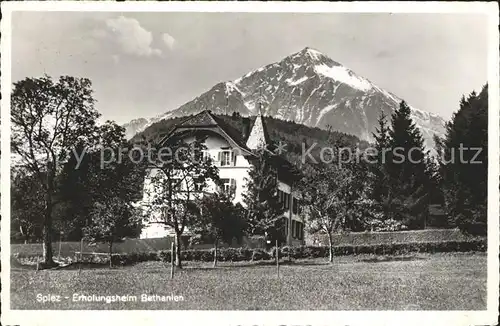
(43, 317)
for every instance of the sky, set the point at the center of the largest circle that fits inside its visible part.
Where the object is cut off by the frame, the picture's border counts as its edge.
(144, 64)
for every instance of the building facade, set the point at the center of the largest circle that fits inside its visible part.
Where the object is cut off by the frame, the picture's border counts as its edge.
(232, 151)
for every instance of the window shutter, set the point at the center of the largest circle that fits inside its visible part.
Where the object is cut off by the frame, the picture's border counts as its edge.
(233, 186)
(233, 158)
(219, 156)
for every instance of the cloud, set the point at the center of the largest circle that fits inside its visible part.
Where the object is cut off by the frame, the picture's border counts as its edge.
(169, 40)
(132, 37)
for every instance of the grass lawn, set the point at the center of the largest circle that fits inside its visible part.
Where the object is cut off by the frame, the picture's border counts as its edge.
(424, 282)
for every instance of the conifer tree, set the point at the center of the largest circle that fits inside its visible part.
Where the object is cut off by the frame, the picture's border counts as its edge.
(382, 132)
(261, 198)
(379, 158)
(464, 171)
(407, 180)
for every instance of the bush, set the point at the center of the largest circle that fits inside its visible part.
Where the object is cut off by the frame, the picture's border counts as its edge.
(388, 225)
(246, 254)
(260, 254)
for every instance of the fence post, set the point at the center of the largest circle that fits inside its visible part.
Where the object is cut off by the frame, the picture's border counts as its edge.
(81, 256)
(60, 240)
(277, 259)
(172, 260)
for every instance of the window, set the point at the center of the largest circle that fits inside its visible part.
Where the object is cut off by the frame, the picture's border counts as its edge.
(298, 230)
(295, 208)
(198, 186)
(228, 186)
(284, 198)
(294, 228)
(227, 158)
(206, 156)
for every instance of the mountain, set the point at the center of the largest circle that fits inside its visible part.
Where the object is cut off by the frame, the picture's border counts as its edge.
(308, 88)
(134, 126)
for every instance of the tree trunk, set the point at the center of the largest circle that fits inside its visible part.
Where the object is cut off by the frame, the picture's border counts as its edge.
(178, 241)
(47, 235)
(24, 234)
(111, 254)
(330, 244)
(389, 205)
(215, 253)
(48, 260)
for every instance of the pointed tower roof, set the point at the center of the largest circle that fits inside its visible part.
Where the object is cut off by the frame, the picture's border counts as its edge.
(258, 138)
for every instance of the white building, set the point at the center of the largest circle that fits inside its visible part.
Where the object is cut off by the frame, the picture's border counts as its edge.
(232, 152)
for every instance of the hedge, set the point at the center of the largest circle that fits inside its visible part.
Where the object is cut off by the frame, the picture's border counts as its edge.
(148, 245)
(246, 254)
(257, 254)
(372, 238)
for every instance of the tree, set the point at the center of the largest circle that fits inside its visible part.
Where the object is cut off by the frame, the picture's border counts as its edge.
(335, 199)
(113, 184)
(174, 183)
(336, 192)
(378, 166)
(48, 119)
(261, 199)
(99, 173)
(220, 220)
(112, 221)
(407, 196)
(463, 162)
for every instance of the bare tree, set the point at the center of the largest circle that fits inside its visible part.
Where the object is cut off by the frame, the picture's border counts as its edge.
(179, 174)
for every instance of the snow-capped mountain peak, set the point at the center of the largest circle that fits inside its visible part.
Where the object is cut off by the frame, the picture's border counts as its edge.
(309, 88)
(314, 54)
(344, 75)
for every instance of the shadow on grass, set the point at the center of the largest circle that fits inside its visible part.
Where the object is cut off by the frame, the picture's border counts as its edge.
(382, 259)
(222, 265)
(255, 264)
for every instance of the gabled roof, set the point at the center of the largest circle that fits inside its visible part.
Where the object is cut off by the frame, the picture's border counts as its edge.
(206, 120)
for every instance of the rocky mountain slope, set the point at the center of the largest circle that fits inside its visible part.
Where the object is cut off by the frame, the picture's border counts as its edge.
(308, 88)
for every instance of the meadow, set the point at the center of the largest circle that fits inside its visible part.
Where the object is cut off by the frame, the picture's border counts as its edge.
(441, 281)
